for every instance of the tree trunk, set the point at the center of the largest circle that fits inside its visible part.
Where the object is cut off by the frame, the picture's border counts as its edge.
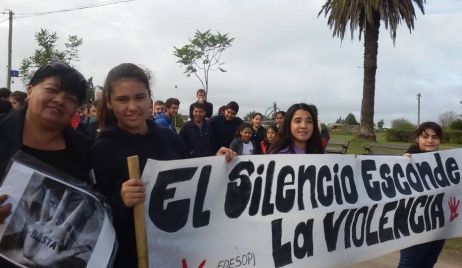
(371, 37)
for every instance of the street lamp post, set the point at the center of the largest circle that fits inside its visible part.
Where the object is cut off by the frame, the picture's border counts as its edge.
(418, 108)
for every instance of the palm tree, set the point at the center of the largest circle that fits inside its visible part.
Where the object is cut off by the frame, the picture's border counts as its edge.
(366, 15)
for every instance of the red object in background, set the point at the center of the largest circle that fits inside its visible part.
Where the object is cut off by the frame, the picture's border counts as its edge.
(75, 121)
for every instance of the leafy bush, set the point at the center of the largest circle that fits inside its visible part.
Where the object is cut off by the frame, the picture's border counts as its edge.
(452, 136)
(402, 124)
(398, 135)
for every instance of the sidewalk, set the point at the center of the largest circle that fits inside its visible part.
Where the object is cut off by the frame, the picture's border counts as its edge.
(447, 259)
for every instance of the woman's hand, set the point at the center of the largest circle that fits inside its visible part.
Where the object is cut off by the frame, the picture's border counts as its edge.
(5, 210)
(228, 153)
(132, 192)
(408, 155)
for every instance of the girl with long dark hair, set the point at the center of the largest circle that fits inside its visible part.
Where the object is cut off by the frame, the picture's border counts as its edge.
(299, 133)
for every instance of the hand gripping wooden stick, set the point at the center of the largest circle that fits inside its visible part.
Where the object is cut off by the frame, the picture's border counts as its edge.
(138, 211)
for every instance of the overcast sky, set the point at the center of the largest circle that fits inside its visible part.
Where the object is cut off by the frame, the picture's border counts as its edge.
(282, 53)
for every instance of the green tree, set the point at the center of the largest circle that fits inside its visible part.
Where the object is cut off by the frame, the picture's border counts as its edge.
(402, 124)
(48, 51)
(90, 90)
(365, 15)
(380, 124)
(179, 120)
(248, 116)
(340, 121)
(72, 48)
(350, 119)
(456, 125)
(203, 54)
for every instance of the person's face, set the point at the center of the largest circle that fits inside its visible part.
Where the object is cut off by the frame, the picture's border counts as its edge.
(93, 111)
(428, 141)
(172, 111)
(200, 96)
(15, 104)
(246, 134)
(159, 109)
(130, 103)
(270, 135)
(257, 121)
(301, 127)
(230, 114)
(50, 105)
(279, 119)
(198, 115)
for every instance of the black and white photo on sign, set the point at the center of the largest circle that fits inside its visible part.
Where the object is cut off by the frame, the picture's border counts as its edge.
(53, 225)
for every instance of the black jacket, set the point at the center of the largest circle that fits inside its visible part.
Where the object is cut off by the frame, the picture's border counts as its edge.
(11, 134)
(258, 136)
(224, 130)
(413, 149)
(197, 142)
(108, 158)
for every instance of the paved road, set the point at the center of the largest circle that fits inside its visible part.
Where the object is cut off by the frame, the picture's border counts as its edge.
(447, 259)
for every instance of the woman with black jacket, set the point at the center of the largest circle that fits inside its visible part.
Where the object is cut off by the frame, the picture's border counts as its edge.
(41, 128)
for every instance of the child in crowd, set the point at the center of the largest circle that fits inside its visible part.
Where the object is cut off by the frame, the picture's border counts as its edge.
(279, 118)
(242, 144)
(299, 132)
(270, 137)
(258, 131)
(18, 99)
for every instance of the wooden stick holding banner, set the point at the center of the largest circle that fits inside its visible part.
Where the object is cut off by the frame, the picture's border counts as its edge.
(138, 211)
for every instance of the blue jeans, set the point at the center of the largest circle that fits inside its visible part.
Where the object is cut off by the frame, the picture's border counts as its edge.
(421, 256)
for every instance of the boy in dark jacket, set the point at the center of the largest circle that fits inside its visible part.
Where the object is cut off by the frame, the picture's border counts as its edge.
(225, 125)
(197, 134)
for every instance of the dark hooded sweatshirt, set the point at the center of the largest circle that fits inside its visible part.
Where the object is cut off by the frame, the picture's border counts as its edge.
(108, 158)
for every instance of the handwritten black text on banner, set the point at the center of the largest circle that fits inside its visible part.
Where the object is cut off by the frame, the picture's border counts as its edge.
(288, 209)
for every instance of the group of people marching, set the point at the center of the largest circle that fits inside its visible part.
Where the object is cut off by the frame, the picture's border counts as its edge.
(125, 122)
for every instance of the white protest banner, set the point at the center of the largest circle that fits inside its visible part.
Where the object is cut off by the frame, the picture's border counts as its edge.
(298, 210)
(54, 223)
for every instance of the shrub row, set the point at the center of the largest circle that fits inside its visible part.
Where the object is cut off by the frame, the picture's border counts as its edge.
(398, 135)
(449, 136)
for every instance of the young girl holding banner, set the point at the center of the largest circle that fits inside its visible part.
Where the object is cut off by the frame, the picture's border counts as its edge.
(427, 139)
(123, 114)
(299, 133)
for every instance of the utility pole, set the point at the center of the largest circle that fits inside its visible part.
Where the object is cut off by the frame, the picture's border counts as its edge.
(418, 109)
(10, 37)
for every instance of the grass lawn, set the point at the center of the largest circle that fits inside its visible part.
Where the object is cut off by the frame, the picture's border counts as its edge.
(357, 147)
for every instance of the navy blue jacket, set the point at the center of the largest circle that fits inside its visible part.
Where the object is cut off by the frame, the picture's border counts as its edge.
(224, 130)
(108, 158)
(197, 142)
